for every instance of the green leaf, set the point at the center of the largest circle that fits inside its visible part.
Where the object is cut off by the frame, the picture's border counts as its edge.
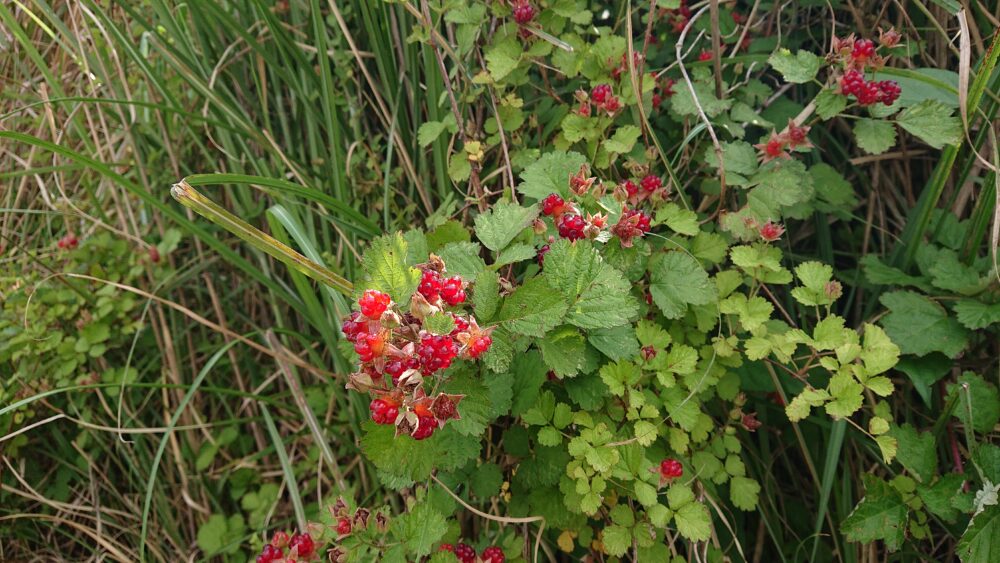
(646, 494)
(550, 174)
(800, 406)
(917, 451)
(563, 350)
(938, 497)
(878, 353)
(420, 528)
(681, 221)
(462, 259)
(503, 57)
(888, 446)
(429, 132)
(678, 280)
(623, 140)
(875, 137)
(385, 263)
(616, 540)
(617, 343)
(829, 103)
(221, 535)
(598, 295)
(513, 254)
(439, 323)
(881, 515)
(981, 541)
(739, 158)
(486, 295)
(619, 376)
(978, 402)
(744, 491)
(798, 68)
(920, 326)
(683, 409)
(533, 309)
(682, 102)
(504, 221)
(976, 314)
(693, 521)
(932, 122)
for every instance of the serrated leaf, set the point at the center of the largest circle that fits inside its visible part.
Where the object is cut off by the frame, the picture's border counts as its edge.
(616, 540)
(504, 221)
(978, 402)
(462, 259)
(597, 294)
(920, 326)
(879, 353)
(623, 140)
(384, 263)
(549, 436)
(932, 122)
(485, 295)
(681, 221)
(693, 522)
(682, 102)
(976, 314)
(550, 174)
(503, 57)
(515, 253)
(829, 103)
(800, 406)
(617, 343)
(439, 323)
(916, 451)
(798, 68)
(563, 350)
(486, 480)
(881, 515)
(874, 136)
(645, 432)
(678, 280)
(619, 376)
(981, 541)
(420, 528)
(744, 491)
(429, 132)
(533, 309)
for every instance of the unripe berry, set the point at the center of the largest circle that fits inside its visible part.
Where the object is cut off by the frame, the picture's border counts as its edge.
(373, 303)
(280, 539)
(705, 56)
(452, 291)
(613, 104)
(771, 232)
(571, 226)
(344, 526)
(447, 547)
(493, 554)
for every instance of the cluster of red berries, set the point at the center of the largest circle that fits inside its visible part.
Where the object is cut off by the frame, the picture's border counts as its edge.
(397, 352)
(68, 242)
(300, 547)
(793, 137)
(635, 193)
(856, 55)
(631, 225)
(467, 554)
(869, 92)
(602, 98)
(524, 12)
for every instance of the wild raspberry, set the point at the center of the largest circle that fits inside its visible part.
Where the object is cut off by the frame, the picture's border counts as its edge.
(269, 554)
(344, 526)
(852, 82)
(600, 93)
(657, 100)
(571, 226)
(632, 224)
(631, 188)
(553, 204)
(452, 290)
(671, 469)
(426, 425)
(461, 325)
(651, 183)
(465, 553)
(430, 285)
(436, 352)
(383, 411)
(889, 91)
(797, 136)
(479, 346)
(305, 544)
(863, 48)
(868, 93)
(541, 255)
(369, 346)
(705, 56)
(68, 242)
(613, 104)
(373, 303)
(889, 38)
(397, 366)
(772, 149)
(493, 554)
(770, 232)
(523, 13)
(354, 326)
(280, 539)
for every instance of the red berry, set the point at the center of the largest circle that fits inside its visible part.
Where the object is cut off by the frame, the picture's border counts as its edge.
(305, 544)
(771, 232)
(447, 547)
(541, 255)
(890, 91)
(269, 554)
(465, 553)
(344, 526)
(774, 148)
(154, 255)
(613, 104)
(705, 56)
(426, 425)
(493, 554)
(369, 346)
(354, 326)
(631, 188)
(479, 346)
(671, 469)
(651, 183)
(280, 539)
(383, 411)
(632, 223)
(868, 93)
(452, 290)
(852, 82)
(863, 48)
(68, 241)
(461, 325)
(524, 13)
(373, 303)
(430, 285)
(571, 226)
(397, 366)
(553, 204)
(436, 352)
(600, 93)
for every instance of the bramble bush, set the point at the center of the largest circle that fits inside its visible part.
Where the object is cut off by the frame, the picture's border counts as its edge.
(653, 279)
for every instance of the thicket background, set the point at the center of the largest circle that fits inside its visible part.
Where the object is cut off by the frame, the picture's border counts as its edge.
(104, 105)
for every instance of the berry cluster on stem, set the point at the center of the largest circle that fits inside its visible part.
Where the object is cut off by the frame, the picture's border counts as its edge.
(285, 548)
(465, 553)
(859, 55)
